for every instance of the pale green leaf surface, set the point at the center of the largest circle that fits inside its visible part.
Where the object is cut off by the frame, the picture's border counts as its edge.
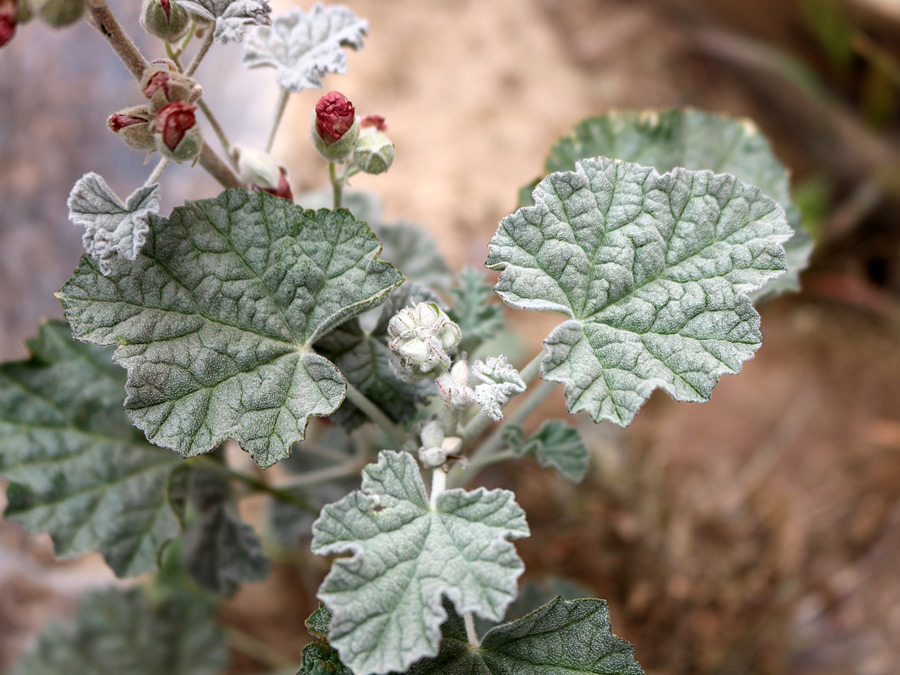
(231, 17)
(652, 271)
(556, 445)
(386, 599)
(217, 315)
(475, 310)
(78, 469)
(695, 140)
(499, 382)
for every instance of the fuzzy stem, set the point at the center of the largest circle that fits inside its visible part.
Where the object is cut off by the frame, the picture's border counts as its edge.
(471, 635)
(438, 485)
(280, 107)
(218, 169)
(344, 470)
(103, 19)
(204, 47)
(337, 185)
(216, 127)
(184, 43)
(157, 172)
(374, 413)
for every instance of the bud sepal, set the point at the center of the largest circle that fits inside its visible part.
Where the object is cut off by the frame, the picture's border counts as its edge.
(177, 133)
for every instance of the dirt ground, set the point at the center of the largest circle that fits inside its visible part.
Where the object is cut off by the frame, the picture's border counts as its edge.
(754, 534)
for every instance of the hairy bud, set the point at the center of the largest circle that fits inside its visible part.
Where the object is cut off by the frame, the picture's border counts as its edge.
(335, 127)
(164, 19)
(374, 153)
(420, 338)
(262, 172)
(177, 133)
(162, 84)
(133, 126)
(59, 13)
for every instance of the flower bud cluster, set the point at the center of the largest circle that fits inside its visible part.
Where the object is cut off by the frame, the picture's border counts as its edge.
(336, 133)
(436, 446)
(420, 339)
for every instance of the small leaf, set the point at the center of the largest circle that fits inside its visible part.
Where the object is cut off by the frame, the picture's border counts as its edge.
(304, 47)
(652, 271)
(386, 599)
(79, 470)
(318, 622)
(320, 659)
(559, 638)
(112, 227)
(232, 17)
(556, 445)
(217, 316)
(478, 317)
(123, 632)
(499, 382)
(413, 251)
(221, 551)
(695, 140)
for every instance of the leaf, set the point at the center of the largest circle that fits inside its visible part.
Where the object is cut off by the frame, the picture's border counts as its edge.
(221, 551)
(406, 555)
(123, 632)
(111, 226)
(556, 445)
(304, 47)
(318, 622)
(652, 271)
(320, 659)
(363, 357)
(412, 250)
(230, 16)
(478, 317)
(560, 638)
(499, 382)
(217, 316)
(693, 140)
(78, 469)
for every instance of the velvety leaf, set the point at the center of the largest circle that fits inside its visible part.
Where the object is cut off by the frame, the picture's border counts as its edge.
(318, 622)
(217, 316)
(406, 555)
(693, 140)
(112, 227)
(652, 271)
(321, 659)
(413, 251)
(231, 17)
(303, 47)
(479, 317)
(499, 382)
(78, 469)
(555, 444)
(124, 632)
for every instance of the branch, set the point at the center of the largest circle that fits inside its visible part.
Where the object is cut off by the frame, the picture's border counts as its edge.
(102, 18)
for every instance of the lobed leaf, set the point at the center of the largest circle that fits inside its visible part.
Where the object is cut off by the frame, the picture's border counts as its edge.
(555, 444)
(652, 272)
(499, 382)
(478, 318)
(231, 17)
(217, 316)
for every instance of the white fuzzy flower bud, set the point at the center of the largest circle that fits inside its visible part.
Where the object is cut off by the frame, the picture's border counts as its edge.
(453, 386)
(420, 338)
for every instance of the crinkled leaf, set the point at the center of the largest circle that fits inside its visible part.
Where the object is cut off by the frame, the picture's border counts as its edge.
(321, 659)
(560, 638)
(652, 271)
(693, 140)
(386, 599)
(217, 316)
(318, 622)
(221, 551)
(412, 250)
(232, 17)
(363, 357)
(303, 47)
(124, 632)
(556, 444)
(479, 317)
(112, 227)
(499, 382)
(78, 469)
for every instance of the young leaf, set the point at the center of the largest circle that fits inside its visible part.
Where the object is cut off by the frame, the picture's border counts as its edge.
(318, 622)
(406, 555)
(413, 251)
(499, 382)
(556, 445)
(652, 271)
(478, 318)
(304, 47)
(217, 316)
(123, 632)
(111, 226)
(321, 659)
(232, 17)
(693, 140)
(559, 638)
(78, 469)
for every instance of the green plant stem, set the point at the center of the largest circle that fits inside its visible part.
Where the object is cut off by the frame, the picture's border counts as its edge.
(257, 649)
(280, 107)
(374, 413)
(256, 484)
(343, 470)
(337, 185)
(497, 457)
(157, 172)
(184, 43)
(204, 47)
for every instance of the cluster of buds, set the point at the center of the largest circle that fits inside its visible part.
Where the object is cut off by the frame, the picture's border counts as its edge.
(164, 19)
(260, 170)
(436, 446)
(420, 340)
(56, 13)
(339, 134)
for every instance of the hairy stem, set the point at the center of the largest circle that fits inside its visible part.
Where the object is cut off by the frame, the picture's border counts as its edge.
(218, 169)
(280, 107)
(157, 171)
(216, 127)
(204, 47)
(471, 635)
(374, 413)
(337, 185)
(438, 485)
(184, 43)
(344, 470)
(102, 18)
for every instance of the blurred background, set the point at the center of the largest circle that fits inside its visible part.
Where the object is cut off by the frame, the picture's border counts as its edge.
(757, 533)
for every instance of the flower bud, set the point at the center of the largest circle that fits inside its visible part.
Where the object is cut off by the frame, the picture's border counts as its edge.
(9, 17)
(162, 84)
(420, 338)
(335, 128)
(374, 153)
(177, 133)
(262, 172)
(164, 19)
(453, 386)
(59, 13)
(133, 126)
(376, 121)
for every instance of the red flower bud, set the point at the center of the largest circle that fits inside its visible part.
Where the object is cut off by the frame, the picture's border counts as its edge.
(119, 121)
(376, 121)
(283, 189)
(8, 20)
(172, 122)
(334, 116)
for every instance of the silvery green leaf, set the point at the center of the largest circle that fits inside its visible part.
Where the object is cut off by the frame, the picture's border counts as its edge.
(118, 631)
(112, 227)
(216, 318)
(478, 317)
(386, 599)
(652, 272)
(556, 445)
(303, 47)
(413, 251)
(560, 638)
(232, 17)
(693, 140)
(78, 469)
(499, 382)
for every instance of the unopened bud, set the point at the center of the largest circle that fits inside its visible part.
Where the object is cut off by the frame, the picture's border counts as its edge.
(453, 386)
(9, 17)
(177, 133)
(59, 13)
(262, 172)
(335, 128)
(162, 84)
(164, 19)
(374, 153)
(133, 126)
(420, 338)
(376, 121)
